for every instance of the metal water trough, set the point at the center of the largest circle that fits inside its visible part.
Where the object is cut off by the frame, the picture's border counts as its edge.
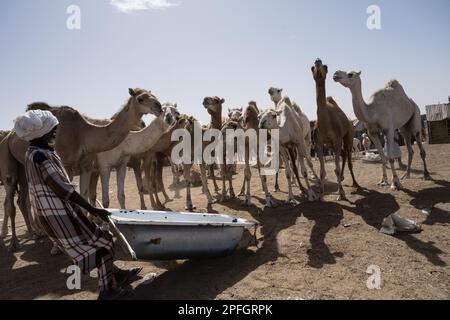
(160, 235)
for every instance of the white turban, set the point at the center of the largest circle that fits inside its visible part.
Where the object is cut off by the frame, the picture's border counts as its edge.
(35, 124)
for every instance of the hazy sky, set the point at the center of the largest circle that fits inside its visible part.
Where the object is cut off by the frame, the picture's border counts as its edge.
(184, 50)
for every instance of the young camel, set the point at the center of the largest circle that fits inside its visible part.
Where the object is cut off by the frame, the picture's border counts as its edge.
(366, 142)
(137, 142)
(333, 130)
(276, 97)
(389, 109)
(164, 147)
(251, 122)
(289, 124)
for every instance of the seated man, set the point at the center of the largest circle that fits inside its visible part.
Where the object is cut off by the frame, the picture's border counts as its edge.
(58, 207)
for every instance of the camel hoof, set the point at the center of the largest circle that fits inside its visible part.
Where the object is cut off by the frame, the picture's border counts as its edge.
(292, 202)
(396, 186)
(248, 202)
(342, 197)
(4, 234)
(189, 208)
(382, 183)
(241, 194)
(312, 196)
(427, 176)
(406, 176)
(277, 189)
(14, 246)
(270, 203)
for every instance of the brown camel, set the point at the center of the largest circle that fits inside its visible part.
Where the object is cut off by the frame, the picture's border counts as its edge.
(334, 130)
(78, 140)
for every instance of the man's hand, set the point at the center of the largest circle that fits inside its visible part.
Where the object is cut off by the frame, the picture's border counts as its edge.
(101, 213)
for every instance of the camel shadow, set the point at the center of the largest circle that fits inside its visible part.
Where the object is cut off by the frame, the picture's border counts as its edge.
(375, 206)
(41, 275)
(326, 215)
(429, 199)
(207, 278)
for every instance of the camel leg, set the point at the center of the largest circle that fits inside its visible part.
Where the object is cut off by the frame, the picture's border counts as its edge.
(85, 178)
(205, 184)
(161, 182)
(390, 147)
(93, 186)
(213, 176)
(376, 140)
(105, 174)
(350, 167)
(339, 173)
(290, 200)
(121, 173)
(187, 179)
(148, 178)
(223, 172)
(229, 172)
(423, 155)
(344, 159)
(155, 184)
(10, 210)
(407, 137)
(320, 155)
(310, 192)
(23, 202)
(138, 176)
(248, 177)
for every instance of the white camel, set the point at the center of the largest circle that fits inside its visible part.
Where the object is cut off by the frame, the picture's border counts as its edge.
(388, 109)
(277, 98)
(137, 142)
(289, 124)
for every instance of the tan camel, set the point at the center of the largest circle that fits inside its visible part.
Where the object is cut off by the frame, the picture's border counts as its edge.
(366, 142)
(137, 142)
(276, 97)
(251, 122)
(77, 140)
(389, 109)
(334, 130)
(356, 147)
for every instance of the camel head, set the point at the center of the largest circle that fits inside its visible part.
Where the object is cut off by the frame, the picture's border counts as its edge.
(268, 120)
(251, 114)
(170, 113)
(145, 102)
(319, 70)
(213, 105)
(235, 114)
(275, 94)
(349, 79)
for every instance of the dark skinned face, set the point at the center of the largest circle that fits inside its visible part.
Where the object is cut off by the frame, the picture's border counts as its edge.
(49, 138)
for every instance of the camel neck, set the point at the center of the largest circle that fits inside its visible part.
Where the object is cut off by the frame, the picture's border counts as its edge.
(321, 97)
(216, 121)
(141, 141)
(359, 105)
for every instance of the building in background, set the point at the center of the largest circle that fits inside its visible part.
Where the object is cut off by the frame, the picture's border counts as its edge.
(438, 123)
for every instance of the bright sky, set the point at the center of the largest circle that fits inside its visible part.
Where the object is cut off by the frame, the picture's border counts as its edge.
(184, 50)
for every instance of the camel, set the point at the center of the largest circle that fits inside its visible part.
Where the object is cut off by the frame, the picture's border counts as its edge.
(251, 122)
(388, 109)
(78, 140)
(276, 97)
(366, 142)
(356, 146)
(289, 124)
(235, 114)
(333, 130)
(137, 142)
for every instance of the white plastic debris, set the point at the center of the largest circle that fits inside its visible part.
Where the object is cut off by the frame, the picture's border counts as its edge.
(426, 211)
(371, 157)
(149, 278)
(396, 223)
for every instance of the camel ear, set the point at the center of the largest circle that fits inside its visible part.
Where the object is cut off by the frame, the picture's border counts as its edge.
(312, 69)
(222, 100)
(175, 106)
(358, 73)
(241, 109)
(325, 67)
(132, 92)
(280, 90)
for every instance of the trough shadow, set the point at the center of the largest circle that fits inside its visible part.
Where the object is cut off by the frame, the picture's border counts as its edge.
(207, 278)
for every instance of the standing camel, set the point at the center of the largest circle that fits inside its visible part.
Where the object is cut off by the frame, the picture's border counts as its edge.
(289, 124)
(77, 140)
(276, 97)
(366, 142)
(388, 109)
(137, 142)
(356, 146)
(251, 122)
(333, 130)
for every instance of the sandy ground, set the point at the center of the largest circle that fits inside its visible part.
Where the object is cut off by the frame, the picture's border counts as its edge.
(317, 250)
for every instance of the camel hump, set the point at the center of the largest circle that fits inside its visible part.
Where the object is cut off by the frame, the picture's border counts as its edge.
(331, 100)
(394, 84)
